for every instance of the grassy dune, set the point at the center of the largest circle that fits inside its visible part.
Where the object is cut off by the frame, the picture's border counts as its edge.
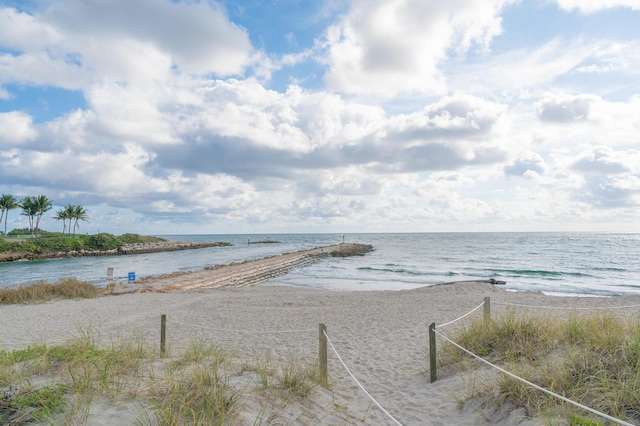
(63, 384)
(591, 359)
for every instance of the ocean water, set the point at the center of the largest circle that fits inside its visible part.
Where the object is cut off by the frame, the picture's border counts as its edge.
(596, 264)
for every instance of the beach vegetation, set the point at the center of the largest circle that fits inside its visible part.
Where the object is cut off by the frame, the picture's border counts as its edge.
(7, 203)
(56, 242)
(590, 359)
(63, 384)
(42, 291)
(34, 208)
(299, 378)
(72, 213)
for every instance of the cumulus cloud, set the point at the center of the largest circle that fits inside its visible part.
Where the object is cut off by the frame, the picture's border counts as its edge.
(197, 35)
(17, 128)
(72, 43)
(23, 32)
(609, 193)
(529, 165)
(390, 47)
(287, 134)
(226, 141)
(559, 108)
(606, 161)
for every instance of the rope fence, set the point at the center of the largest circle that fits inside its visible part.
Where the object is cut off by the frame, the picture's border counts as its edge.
(433, 331)
(502, 370)
(323, 343)
(360, 385)
(228, 330)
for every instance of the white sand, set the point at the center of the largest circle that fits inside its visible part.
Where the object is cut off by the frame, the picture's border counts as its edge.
(382, 337)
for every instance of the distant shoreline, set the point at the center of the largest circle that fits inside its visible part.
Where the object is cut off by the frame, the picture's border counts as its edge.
(138, 248)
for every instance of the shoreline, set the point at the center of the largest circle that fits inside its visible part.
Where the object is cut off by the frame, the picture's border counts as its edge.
(128, 249)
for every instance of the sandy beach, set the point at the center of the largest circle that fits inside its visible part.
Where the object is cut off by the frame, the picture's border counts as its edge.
(381, 336)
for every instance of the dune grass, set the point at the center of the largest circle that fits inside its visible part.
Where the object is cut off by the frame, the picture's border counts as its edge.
(61, 384)
(591, 359)
(42, 291)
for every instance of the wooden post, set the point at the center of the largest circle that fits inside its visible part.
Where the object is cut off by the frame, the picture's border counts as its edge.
(432, 352)
(487, 308)
(322, 355)
(163, 334)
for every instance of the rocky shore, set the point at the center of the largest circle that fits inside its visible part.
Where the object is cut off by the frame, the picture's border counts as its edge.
(128, 249)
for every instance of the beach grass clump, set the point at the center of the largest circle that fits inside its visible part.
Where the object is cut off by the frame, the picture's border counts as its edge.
(593, 360)
(44, 382)
(299, 378)
(195, 395)
(33, 405)
(42, 291)
(71, 377)
(201, 385)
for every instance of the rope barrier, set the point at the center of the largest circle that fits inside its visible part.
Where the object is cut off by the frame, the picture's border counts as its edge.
(358, 383)
(584, 407)
(568, 309)
(308, 330)
(459, 318)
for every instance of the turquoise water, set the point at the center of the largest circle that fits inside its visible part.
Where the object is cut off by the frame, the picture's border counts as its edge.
(596, 264)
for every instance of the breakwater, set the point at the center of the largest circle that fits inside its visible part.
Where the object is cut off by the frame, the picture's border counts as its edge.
(241, 274)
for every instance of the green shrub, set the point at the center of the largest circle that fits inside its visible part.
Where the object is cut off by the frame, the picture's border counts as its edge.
(130, 239)
(56, 244)
(102, 241)
(18, 231)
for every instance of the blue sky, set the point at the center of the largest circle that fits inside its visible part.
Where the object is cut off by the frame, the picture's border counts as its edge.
(169, 117)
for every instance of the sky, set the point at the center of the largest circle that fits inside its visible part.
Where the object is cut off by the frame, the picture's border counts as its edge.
(301, 116)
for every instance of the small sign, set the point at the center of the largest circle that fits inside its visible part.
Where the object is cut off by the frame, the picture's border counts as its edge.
(109, 274)
(132, 276)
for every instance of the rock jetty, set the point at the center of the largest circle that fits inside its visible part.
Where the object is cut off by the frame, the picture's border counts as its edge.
(241, 274)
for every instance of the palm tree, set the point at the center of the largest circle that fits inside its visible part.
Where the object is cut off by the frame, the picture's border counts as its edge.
(64, 215)
(28, 205)
(43, 205)
(7, 202)
(79, 213)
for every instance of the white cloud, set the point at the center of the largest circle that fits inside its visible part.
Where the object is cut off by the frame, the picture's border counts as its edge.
(72, 43)
(606, 161)
(561, 108)
(40, 68)
(197, 35)
(386, 47)
(591, 6)
(530, 165)
(130, 112)
(21, 31)
(17, 128)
